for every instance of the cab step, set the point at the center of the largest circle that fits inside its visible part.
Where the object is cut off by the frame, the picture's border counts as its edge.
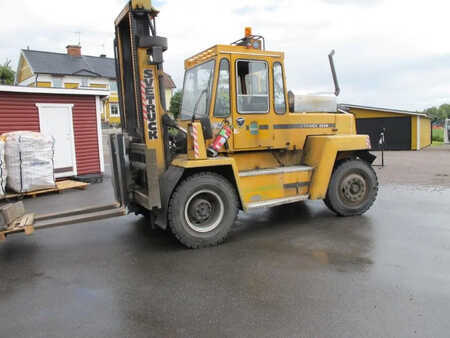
(262, 188)
(275, 202)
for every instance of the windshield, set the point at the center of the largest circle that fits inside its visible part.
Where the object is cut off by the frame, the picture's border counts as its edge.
(197, 90)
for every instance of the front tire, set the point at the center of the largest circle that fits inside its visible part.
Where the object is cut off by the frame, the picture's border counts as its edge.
(353, 188)
(202, 210)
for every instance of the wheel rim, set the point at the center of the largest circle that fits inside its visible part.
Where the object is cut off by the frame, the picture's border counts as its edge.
(204, 211)
(353, 189)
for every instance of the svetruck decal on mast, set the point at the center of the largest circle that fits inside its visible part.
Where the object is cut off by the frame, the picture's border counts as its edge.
(149, 104)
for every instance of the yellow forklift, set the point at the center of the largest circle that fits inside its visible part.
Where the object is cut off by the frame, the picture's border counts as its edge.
(240, 143)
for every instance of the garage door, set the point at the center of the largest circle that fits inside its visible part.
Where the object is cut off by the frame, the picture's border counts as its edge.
(397, 131)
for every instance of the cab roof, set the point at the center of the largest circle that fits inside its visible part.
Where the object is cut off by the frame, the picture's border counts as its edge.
(228, 49)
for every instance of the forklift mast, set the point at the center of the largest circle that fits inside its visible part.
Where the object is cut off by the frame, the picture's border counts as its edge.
(139, 67)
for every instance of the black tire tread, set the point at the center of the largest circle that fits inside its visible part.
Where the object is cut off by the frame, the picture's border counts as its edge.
(339, 166)
(185, 240)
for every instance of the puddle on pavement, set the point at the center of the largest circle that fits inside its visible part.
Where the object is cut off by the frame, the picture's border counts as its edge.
(432, 187)
(340, 260)
(346, 248)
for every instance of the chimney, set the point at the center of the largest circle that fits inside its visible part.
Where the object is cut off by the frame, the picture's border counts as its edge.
(74, 50)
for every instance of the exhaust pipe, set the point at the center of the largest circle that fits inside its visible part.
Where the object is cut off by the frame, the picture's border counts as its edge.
(337, 90)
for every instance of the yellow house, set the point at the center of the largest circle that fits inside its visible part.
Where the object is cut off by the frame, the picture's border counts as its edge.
(76, 71)
(71, 70)
(169, 87)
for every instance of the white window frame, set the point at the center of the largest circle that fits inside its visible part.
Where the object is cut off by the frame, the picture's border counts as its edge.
(418, 133)
(74, 172)
(56, 79)
(110, 109)
(114, 90)
(99, 104)
(87, 82)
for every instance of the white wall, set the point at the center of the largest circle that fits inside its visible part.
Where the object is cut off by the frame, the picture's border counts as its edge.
(446, 131)
(70, 79)
(28, 81)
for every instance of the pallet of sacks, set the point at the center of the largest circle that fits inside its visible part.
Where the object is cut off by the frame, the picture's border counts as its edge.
(29, 159)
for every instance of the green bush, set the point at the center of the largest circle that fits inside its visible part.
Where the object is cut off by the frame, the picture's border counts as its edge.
(7, 75)
(175, 103)
(438, 135)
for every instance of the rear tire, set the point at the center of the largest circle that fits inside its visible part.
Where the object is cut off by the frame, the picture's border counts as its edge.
(353, 188)
(202, 210)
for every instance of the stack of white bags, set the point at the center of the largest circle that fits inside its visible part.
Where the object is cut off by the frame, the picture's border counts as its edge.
(29, 161)
(2, 168)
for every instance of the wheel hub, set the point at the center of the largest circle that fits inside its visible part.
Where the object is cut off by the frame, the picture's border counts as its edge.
(354, 188)
(200, 210)
(204, 211)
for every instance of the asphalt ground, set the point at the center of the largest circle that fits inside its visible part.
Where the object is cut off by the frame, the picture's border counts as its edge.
(290, 271)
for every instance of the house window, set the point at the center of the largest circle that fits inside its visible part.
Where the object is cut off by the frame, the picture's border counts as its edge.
(84, 82)
(114, 110)
(253, 86)
(57, 82)
(113, 86)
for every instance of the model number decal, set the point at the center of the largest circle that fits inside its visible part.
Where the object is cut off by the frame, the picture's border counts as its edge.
(148, 104)
(304, 126)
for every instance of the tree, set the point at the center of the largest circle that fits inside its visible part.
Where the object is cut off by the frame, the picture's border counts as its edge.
(7, 75)
(175, 103)
(438, 114)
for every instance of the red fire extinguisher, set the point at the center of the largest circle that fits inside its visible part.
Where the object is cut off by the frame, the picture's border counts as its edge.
(221, 138)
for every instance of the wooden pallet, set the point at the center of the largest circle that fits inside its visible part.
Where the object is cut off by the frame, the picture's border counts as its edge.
(22, 224)
(60, 186)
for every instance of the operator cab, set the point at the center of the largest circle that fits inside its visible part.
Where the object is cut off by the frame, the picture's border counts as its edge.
(240, 85)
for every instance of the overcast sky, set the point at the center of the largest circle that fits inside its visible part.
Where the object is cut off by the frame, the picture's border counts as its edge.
(390, 53)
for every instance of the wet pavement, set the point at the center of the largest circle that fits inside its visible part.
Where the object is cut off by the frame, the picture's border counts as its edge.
(290, 271)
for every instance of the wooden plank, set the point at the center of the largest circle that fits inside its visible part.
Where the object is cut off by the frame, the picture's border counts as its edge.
(29, 229)
(60, 186)
(21, 224)
(10, 212)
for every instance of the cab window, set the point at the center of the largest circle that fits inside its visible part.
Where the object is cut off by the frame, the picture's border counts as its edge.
(222, 104)
(252, 87)
(278, 89)
(197, 90)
